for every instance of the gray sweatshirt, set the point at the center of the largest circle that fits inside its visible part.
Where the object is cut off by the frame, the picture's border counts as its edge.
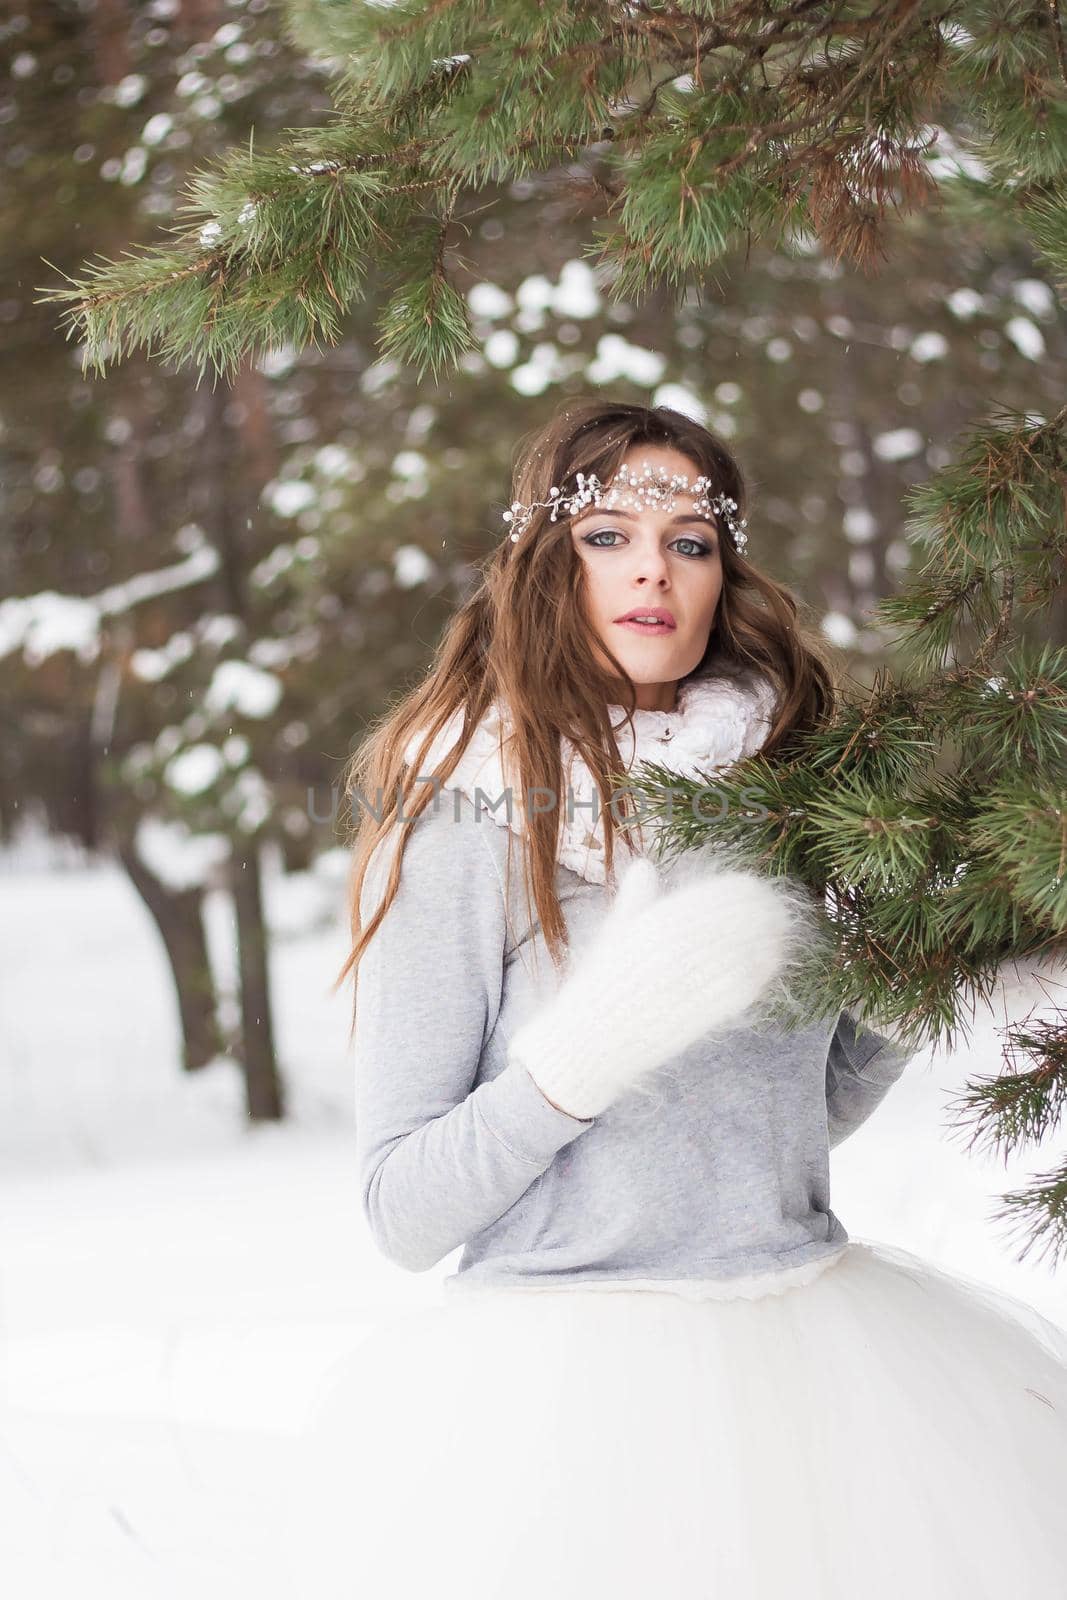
(719, 1169)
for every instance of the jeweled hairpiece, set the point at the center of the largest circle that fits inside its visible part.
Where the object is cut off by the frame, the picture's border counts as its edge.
(653, 486)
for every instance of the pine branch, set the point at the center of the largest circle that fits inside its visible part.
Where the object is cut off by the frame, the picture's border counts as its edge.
(1023, 1105)
(1014, 723)
(1042, 1210)
(282, 259)
(992, 526)
(722, 124)
(1019, 1106)
(931, 879)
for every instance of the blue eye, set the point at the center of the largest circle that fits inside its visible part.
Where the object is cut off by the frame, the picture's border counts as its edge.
(698, 552)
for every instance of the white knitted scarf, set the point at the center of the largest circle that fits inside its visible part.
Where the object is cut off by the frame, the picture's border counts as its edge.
(720, 717)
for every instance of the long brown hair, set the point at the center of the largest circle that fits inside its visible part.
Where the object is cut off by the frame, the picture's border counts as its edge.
(521, 638)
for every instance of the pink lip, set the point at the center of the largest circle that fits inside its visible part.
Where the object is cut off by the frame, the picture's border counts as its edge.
(665, 617)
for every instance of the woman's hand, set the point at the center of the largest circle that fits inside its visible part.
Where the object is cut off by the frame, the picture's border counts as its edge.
(662, 970)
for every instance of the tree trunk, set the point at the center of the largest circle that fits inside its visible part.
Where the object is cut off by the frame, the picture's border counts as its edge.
(263, 1089)
(1057, 618)
(224, 508)
(177, 915)
(297, 850)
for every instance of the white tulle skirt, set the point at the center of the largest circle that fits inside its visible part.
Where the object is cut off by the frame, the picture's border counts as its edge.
(880, 1427)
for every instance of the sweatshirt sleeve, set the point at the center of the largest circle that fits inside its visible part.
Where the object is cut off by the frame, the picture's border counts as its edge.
(860, 1071)
(438, 1159)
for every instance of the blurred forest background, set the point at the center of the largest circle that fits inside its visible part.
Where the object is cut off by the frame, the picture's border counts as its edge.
(206, 591)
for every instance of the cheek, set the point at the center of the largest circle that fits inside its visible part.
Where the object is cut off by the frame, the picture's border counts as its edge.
(592, 588)
(711, 587)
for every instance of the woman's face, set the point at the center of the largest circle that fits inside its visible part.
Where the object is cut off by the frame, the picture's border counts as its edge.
(639, 558)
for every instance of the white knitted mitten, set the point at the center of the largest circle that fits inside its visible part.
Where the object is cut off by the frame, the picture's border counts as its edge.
(661, 971)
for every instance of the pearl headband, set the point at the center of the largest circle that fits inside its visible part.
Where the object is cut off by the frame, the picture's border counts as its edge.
(653, 486)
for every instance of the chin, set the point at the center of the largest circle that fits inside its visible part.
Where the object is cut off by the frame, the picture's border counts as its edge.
(656, 662)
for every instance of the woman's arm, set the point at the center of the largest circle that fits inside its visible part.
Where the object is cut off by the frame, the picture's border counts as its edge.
(859, 1074)
(439, 1161)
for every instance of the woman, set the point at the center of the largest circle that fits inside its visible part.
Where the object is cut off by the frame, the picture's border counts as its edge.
(661, 1365)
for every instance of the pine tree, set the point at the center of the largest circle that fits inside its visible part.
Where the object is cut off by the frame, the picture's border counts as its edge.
(697, 123)
(932, 811)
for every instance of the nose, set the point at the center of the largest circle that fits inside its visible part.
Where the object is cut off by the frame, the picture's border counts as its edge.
(651, 569)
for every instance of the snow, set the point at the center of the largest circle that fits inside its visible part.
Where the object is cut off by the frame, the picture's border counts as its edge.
(928, 346)
(176, 855)
(1026, 336)
(190, 83)
(1036, 296)
(679, 397)
(948, 159)
(249, 801)
(574, 295)
(218, 630)
(337, 461)
(42, 624)
(411, 566)
(544, 366)
(289, 497)
(134, 165)
(410, 464)
(152, 665)
(176, 1284)
(964, 302)
(501, 348)
(839, 628)
(860, 524)
(238, 686)
(617, 358)
(157, 128)
(130, 89)
(489, 300)
(897, 444)
(194, 770)
(280, 359)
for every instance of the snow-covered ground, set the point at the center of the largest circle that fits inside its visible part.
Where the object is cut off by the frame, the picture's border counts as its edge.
(175, 1285)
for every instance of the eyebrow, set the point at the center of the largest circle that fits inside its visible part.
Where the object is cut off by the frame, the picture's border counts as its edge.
(684, 516)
